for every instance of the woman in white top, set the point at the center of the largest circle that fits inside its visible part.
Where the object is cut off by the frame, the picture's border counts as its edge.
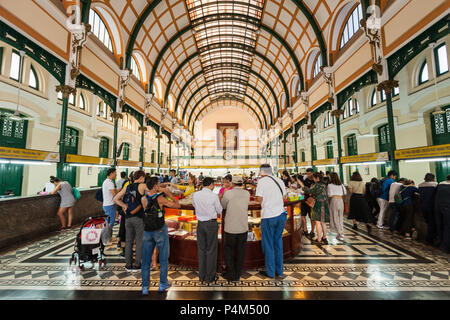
(336, 192)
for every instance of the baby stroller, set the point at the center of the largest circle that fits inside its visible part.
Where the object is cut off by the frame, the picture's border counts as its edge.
(90, 242)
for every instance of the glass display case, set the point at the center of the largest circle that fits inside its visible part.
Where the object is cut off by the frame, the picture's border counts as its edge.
(182, 226)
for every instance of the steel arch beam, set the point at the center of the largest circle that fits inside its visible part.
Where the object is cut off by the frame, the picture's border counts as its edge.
(250, 86)
(248, 96)
(299, 3)
(201, 100)
(189, 27)
(312, 21)
(243, 102)
(280, 76)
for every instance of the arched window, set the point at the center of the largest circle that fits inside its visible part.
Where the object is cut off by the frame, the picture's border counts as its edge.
(126, 151)
(423, 73)
(33, 82)
(82, 103)
(317, 65)
(72, 99)
(282, 101)
(351, 26)
(171, 103)
(135, 69)
(330, 118)
(441, 59)
(158, 90)
(179, 114)
(16, 63)
(396, 91)
(374, 100)
(295, 89)
(99, 29)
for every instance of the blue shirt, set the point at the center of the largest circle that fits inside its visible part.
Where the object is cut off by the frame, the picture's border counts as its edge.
(385, 188)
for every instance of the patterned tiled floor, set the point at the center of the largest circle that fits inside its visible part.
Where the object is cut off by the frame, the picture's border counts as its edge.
(376, 263)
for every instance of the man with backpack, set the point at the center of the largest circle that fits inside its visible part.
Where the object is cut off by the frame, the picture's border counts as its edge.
(129, 199)
(383, 197)
(394, 210)
(155, 232)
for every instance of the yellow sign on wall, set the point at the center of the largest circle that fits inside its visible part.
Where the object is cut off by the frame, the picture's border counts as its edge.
(303, 164)
(423, 152)
(325, 162)
(127, 163)
(28, 154)
(149, 165)
(370, 157)
(74, 158)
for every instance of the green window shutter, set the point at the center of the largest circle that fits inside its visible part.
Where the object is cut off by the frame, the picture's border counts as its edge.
(303, 156)
(384, 138)
(314, 153)
(153, 156)
(13, 133)
(352, 145)
(330, 150)
(71, 140)
(440, 124)
(126, 151)
(104, 148)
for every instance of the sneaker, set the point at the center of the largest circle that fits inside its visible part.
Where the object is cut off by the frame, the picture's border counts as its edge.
(280, 277)
(136, 268)
(122, 254)
(164, 286)
(414, 235)
(264, 273)
(324, 241)
(340, 238)
(129, 268)
(381, 227)
(145, 291)
(408, 238)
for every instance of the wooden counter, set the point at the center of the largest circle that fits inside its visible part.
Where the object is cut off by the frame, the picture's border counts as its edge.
(185, 253)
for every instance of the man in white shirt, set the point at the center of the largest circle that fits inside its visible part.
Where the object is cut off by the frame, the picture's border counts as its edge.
(271, 193)
(207, 207)
(109, 191)
(393, 209)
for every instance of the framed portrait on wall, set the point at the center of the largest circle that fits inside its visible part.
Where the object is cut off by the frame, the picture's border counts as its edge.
(227, 136)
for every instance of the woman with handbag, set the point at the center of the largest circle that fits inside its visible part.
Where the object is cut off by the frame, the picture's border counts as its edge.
(318, 201)
(336, 193)
(359, 208)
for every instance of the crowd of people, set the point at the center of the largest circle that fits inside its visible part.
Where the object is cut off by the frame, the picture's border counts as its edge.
(391, 203)
(140, 200)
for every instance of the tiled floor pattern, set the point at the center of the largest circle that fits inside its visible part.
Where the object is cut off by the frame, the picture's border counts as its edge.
(377, 262)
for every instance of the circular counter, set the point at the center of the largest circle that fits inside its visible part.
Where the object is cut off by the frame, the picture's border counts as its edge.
(184, 252)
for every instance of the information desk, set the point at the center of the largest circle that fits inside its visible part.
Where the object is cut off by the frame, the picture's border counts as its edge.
(183, 240)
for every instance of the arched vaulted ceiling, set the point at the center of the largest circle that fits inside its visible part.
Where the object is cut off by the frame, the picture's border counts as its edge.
(201, 50)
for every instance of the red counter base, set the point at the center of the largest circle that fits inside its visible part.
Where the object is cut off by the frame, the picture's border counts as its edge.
(185, 252)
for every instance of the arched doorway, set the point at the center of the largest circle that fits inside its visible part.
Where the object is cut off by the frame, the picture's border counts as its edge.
(440, 130)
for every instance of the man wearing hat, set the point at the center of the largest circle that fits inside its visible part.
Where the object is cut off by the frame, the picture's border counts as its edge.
(235, 202)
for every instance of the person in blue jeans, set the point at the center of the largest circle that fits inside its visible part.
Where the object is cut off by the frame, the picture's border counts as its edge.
(271, 193)
(156, 238)
(109, 191)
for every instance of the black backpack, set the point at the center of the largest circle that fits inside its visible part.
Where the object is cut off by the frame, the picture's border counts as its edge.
(153, 215)
(131, 198)
(379, 187)
(99, 195)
